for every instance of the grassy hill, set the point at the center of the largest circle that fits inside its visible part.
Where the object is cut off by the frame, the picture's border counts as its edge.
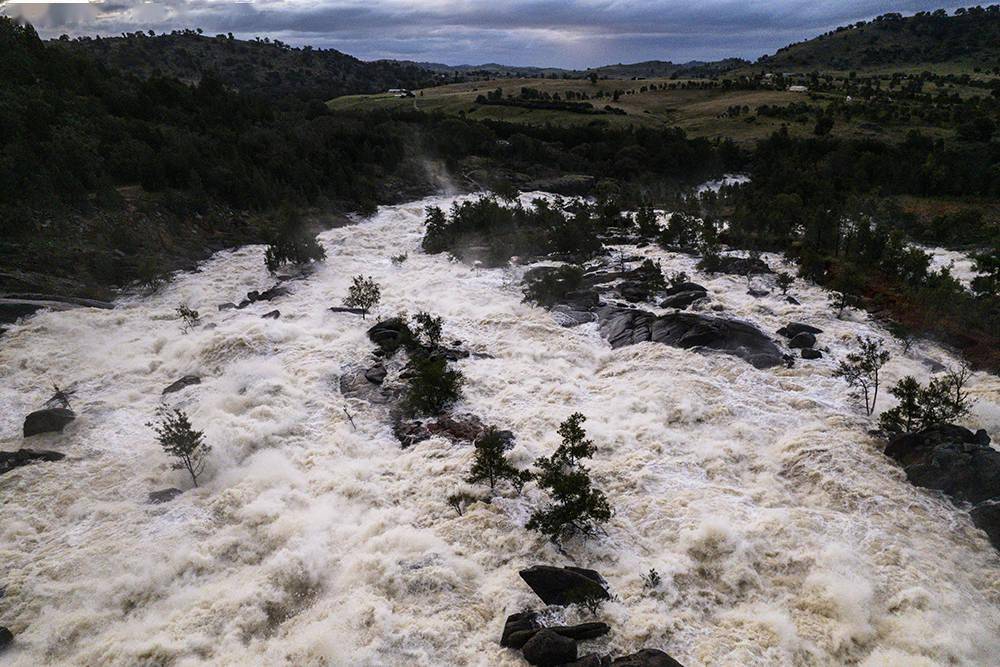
(264, 67)
(967, 42)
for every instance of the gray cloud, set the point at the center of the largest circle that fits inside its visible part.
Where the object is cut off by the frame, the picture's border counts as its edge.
(567, 33)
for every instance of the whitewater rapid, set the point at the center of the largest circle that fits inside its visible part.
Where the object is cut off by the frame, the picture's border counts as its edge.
(782, 534)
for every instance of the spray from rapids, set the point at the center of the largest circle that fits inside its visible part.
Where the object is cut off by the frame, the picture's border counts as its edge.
(782, 534)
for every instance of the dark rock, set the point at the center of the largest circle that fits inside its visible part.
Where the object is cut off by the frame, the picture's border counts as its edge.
(389, 335)
(742, 265)
(243, 304)
(633, 292)
(792, 300)
(6, 637)
(987, 518)
(376, 374)
(48, 420)
(963, 470)
(564, 585)
(272, 315)
(590, 660)
(809, 353)
(647, 657)
(757, 293)
(185, 381)
(344, 309)
(684, 287)
(15, 306)
(22, 457)
(163, 496)
(686, 330)
(520, 622)
(682, 300)
(568, 316)
(793, 329)
(227, 306)
(460, 428)
(981, 437)
(549, 649)
(910, 448)
(272, 293)
(802, 340)
(518, 638)
(354, 383)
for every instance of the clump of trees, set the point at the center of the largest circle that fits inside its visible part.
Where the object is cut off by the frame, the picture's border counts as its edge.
(431, 385)
(364, 294)
(575, 508)
(292, 243)
(179, 440)
(490, 464)
(549, 287)
(861, 368)
(944, 399)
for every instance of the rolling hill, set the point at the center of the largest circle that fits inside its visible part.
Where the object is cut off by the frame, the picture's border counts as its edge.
(966, 41)
(258, 67)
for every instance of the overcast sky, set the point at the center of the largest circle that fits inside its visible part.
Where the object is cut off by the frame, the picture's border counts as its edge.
(561, 33)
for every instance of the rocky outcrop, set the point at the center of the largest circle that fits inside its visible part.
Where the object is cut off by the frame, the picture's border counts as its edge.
(47, 420)
(523, 621)
(163, 496)
(579, 632)
(185, 381)
(23, 457)
(457, 428)
(564, 585)
(549, 649)
(253, 296)
(957, 462)
(345, 309)
(16, 306)
(389, 335)
(689, 330)
(802, 340)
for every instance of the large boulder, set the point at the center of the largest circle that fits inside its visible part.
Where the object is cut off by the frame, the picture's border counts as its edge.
(549, 649)
(918, 447)
(987, 518)
(590, 660)
(391, 334)
(809, 353)
(22, 457)
(185, 381)
(524, 621)
(564, 585)
(580, 632)
(647, 657)
(793, 329)
(688, 330)
(6, 637)
(682, 300)
(677, 288)
(47, 420)
(802, 340)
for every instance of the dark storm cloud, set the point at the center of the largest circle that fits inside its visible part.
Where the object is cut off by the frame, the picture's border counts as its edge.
(569, 33)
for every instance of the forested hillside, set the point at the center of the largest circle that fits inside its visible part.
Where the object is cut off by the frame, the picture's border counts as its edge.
(258, 67)
(968, 40)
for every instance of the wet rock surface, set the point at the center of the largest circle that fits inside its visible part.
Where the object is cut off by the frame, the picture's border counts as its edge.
(163, 496)
(22, 457)
(957, 462)
(47, 420)
(185, 381)
(564, 585)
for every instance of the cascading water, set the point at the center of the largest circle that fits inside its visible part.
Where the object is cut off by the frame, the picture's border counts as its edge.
(782, 534)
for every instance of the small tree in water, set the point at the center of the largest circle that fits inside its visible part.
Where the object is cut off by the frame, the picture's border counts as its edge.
(190, 316)
(784, 281)
(291, 242)
(576, 508)
(861, 369)
(364, 293)
(181, 442)
(432, 386)
(427, 328)
(490, 463)
(944, 399)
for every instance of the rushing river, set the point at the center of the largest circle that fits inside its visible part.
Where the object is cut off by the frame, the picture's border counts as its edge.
(782, 534)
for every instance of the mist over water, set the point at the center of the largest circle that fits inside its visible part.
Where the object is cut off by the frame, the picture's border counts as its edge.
(783, 535)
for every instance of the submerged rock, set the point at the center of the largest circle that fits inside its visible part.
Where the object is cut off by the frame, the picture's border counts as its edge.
(376, 374)
(185, 381)
(457, 428)
(678, 288)
(809, 353)
(687, 330)
(271, 315)
(564, 585)
(163, 496)
(22, 457)
(579, 632)
(524, 621)
(227, 306)
(647, 657)
(47, 420)
(549, 649)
